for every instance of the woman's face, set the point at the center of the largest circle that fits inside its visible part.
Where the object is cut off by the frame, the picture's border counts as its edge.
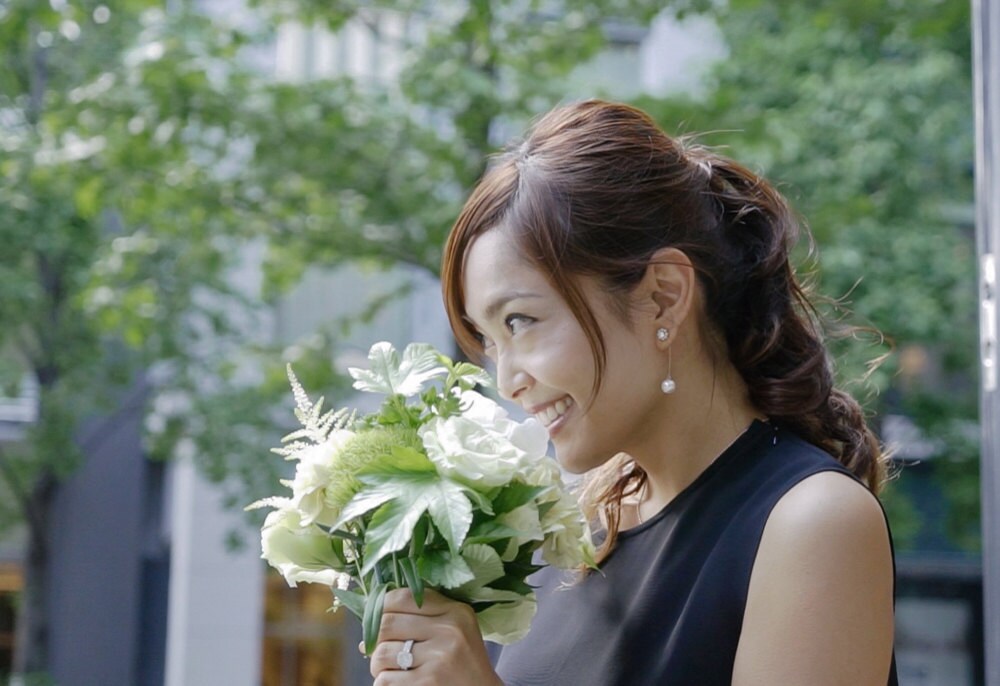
(545, 364)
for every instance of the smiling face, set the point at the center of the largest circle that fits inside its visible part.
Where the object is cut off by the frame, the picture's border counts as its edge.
(544, 361)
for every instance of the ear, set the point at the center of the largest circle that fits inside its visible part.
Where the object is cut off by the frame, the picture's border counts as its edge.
(668, 288)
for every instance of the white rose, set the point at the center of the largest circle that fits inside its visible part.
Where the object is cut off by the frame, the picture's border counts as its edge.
(483, 447)
(543, 472)
(525, 521)
(462, 449)
(567, 541)
(529, 435)
(313, 472)
(568, 549)
(300, 553)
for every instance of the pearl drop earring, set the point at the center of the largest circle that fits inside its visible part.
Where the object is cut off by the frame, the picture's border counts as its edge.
(668, 385)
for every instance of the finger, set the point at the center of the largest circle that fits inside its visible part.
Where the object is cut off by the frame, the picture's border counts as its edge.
(389, 656)
(399, 626)
(392, 679)
(401, 600)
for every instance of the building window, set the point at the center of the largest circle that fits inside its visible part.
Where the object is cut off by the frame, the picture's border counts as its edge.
(11, 582)
(304, 644)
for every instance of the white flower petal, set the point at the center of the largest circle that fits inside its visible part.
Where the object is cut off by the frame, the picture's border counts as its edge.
(506, 623)
(300, 553)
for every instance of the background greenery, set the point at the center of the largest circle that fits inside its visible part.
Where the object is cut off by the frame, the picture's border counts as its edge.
(145, 161)
(862, 112)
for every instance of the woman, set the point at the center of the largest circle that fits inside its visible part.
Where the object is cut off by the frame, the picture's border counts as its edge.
(636, 295)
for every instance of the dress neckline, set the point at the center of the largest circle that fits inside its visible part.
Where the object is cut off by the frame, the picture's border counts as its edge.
(745, 440)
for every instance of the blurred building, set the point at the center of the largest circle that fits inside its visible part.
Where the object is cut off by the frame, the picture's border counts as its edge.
(16, 413)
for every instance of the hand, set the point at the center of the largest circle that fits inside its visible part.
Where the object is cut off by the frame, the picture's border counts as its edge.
(447, 645)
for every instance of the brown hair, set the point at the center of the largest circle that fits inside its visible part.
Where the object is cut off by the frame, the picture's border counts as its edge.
(595, 190)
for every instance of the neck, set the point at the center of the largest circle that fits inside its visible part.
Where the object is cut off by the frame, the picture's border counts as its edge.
(693, 428)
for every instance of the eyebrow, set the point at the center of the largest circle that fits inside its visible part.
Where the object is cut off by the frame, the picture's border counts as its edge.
(494, 307)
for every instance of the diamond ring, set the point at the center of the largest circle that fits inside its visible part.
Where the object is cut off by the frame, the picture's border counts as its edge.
(404, 658)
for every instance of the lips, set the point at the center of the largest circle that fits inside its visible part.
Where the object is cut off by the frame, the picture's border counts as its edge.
(553, 411)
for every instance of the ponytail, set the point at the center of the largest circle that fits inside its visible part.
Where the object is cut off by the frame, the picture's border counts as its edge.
(773, 333)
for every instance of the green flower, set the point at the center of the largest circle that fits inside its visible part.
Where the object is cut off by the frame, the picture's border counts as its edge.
(366, 451)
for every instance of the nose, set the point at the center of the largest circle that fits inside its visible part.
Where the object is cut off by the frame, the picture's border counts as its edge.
(512, 379)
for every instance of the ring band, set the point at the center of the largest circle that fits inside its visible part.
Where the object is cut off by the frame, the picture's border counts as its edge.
(404, 658)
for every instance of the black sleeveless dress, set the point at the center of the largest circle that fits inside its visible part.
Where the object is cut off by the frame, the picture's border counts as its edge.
(667, 608)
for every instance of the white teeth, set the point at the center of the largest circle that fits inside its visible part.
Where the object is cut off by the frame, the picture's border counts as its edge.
(554, 411)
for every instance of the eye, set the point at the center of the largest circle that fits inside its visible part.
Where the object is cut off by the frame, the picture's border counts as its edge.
(485, 343)
(516, 322)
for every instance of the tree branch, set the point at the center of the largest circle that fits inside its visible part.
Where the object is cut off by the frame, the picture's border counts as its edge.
(17, 489)
(38, 77)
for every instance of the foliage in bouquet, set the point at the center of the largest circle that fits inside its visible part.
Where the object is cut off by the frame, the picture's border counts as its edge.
(440, 488)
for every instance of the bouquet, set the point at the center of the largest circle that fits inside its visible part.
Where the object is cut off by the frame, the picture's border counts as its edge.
(438, 489)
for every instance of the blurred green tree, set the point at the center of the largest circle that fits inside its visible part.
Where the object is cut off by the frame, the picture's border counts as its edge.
(863, 114)
(383, 178)
(119, 156)
(148, 167)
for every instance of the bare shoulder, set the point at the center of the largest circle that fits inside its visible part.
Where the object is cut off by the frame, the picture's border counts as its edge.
(824, 511)
(819, 606)
(830, 528)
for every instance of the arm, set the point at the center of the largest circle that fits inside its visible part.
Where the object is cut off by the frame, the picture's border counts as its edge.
(447, 645)
(819, 608)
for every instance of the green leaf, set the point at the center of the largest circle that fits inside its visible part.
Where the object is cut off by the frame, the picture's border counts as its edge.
(515, 495)
(341, 535)
(468, 376)
(419, 538)
(485, 564)
(521, 566)
(365, 501)
(413, 580)
(514, 582)
(444, 569)
(479, 500)
(451, 512)
(485, 595)
(489, 532)
(371, 621)
(389, 374)
(391, 527)
(352, 600)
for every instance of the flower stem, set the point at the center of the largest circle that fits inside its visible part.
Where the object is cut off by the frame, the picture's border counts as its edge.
(359, 576)
(395, 571)
(399, 405)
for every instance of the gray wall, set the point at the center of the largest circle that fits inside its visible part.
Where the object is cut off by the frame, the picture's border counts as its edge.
(99, 557)
(986, 44)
